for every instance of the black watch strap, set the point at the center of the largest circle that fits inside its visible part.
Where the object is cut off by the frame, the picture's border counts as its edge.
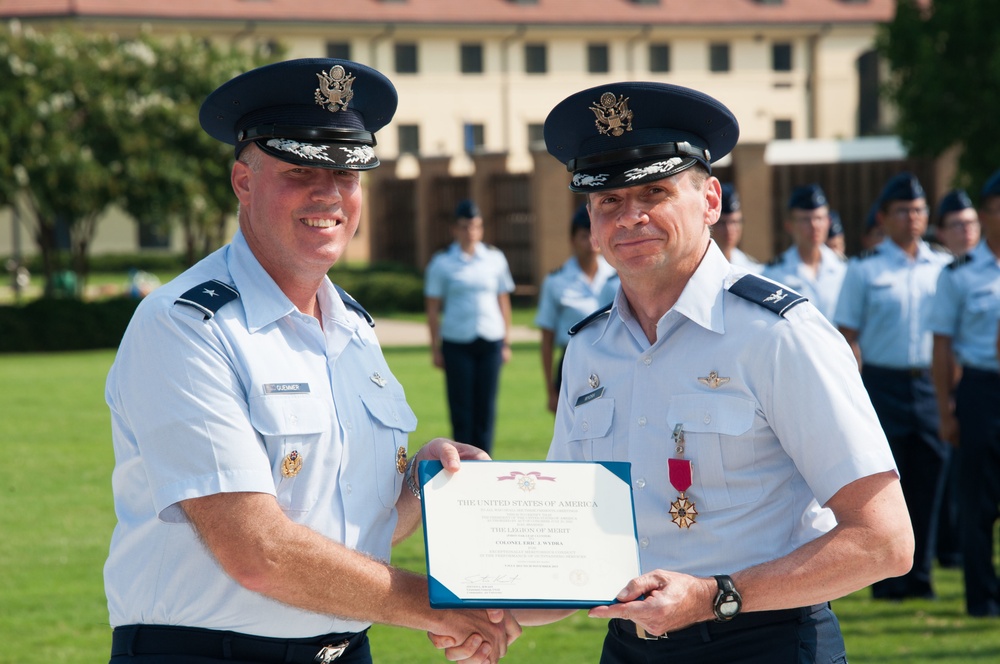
(728, 601)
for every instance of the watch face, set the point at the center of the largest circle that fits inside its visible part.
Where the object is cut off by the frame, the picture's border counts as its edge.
(729, 608)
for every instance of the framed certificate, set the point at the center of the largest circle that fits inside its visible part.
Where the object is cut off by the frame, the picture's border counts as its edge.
(540, 534)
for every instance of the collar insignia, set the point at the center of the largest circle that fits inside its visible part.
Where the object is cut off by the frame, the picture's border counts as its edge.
(334, 91)
(776, 296)
(378, 380)
(613, 116)
(713, 380)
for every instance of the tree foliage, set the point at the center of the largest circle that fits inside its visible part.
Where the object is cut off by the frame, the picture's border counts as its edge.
(945, 62)
(96, 119)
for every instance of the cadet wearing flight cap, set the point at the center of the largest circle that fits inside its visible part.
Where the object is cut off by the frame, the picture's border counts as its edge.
(964, 320)
(957, 223)
(728, 230)
(883, 312)
(699, 375)
(254, 417)
(835, 238)
(809, 266)
(569, 294)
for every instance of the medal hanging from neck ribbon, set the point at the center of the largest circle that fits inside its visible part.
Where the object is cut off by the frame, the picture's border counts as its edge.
(679, 470)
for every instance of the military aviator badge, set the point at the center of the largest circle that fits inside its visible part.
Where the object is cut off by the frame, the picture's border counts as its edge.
(291, 464)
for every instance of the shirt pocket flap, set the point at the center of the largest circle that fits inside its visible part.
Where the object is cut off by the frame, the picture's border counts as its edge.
(391, 412)
(288, 414)
(593, 420)
(700, 413)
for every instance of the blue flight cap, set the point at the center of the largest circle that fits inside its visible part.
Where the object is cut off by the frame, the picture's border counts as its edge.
(730, 198)
(836, 225)
(901, 187)
(319, 112)
(807, 197)
(871, 219)
(991, 188)
(955, 200)
(624, 134)
(467, 209)
(581, 219)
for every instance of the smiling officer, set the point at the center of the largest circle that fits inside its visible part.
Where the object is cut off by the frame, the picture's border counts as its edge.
(260, 438)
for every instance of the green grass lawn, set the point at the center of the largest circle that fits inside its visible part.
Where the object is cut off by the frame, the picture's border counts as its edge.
(56, 518)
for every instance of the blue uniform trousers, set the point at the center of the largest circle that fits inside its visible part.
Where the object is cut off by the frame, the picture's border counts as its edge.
(810, 637)
(472, 374)
(907, 410)
(977, 403)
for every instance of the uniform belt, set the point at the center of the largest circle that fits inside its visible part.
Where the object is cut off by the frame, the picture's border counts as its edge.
(712, 628)
(908, 372)
(197, 642)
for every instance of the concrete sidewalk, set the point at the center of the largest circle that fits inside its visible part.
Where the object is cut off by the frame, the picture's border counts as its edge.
(392, 332)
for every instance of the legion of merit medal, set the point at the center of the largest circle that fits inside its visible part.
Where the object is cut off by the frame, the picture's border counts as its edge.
(679, 470)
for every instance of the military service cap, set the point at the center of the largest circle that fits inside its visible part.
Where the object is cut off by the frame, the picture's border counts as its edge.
(730, 198)
(320, 112)
(836, 225)
(624, 134)
(581, 219)
(992, 187)
(467, 209)
(807, 197)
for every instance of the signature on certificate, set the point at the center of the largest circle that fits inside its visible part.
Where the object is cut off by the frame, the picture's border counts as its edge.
(493, 579)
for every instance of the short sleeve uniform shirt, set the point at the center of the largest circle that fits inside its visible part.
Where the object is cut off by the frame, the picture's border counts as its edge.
(568, 296)
(468, 287)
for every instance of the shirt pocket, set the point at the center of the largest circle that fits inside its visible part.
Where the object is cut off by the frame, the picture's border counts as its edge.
(391, 420)
(719, 440)
(591, 437)
(294, 428)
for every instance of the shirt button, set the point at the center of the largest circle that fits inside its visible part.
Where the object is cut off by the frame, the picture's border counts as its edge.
(644, 542)
(349, 487)
(647, 360)
(640, 483)
(294, 419)
(642, 421)
(708, 418)
(586, 426)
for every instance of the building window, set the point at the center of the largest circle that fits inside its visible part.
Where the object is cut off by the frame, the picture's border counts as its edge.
(659, 58)
(781, 56)
(536, 59)
(782, 129)
(409, 139)
(475, 137)
(598, 59)
(406, 58)
(718, 57)
(536, 136)
(472, 58)
(340, 50)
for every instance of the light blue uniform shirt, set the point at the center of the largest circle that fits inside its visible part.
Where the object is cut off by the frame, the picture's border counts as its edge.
(568, 296)
(886, 297)
(788, 427)
(468, 287)
(741, 260)
(967, 308)
(823, 289)
(200, 407)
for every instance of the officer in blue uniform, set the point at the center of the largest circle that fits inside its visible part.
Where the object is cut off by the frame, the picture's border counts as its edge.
(728, 231)
(964, 321)
(958, 227)
(883, 312)
(809, 266)
(569, 294)
(260, 438)
(763, 485)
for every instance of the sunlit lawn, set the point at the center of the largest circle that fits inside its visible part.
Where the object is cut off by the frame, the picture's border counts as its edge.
(56, 519)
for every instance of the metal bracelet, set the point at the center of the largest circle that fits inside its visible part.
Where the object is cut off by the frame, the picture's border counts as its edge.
(410, 480)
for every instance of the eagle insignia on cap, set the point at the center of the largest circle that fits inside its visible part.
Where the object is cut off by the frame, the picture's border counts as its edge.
(334, 91)
(613, 116)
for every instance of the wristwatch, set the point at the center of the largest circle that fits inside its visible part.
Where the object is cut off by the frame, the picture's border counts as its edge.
(728, 601)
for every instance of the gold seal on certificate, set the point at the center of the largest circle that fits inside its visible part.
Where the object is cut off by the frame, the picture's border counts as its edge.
(545, 534)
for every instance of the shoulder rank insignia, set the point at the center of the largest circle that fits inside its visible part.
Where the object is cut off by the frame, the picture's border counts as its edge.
(208, 297)
(964, 259)
(603, 311)
(775, 297)
(613, 116)
(353, 304)
(334, 91)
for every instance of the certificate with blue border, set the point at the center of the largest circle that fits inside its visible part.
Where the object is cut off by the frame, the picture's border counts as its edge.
(539, 534)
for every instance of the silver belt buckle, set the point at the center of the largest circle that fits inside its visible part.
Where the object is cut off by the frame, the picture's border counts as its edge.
(329, 653)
